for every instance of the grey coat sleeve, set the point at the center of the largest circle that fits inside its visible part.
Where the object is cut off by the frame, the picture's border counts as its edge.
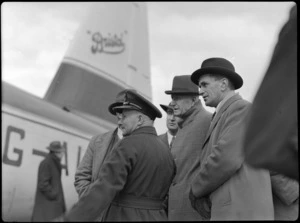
(286, 189)
(83, 175)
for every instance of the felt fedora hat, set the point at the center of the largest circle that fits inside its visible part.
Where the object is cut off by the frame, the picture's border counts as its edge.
(219, 66)
(56, 146)
(131, 100)
(166, 108)
(183, 85)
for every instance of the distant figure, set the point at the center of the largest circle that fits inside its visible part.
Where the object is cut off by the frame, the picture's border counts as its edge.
(172, 125)
(193, 125)
(271, 138)
(49, 197)
(99, 148)
(135, 177)
(225, 188)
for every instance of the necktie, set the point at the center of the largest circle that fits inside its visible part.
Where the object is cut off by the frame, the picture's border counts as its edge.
(171, 143)
(213, 116)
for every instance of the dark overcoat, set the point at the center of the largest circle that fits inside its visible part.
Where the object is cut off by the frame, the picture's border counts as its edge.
(49, 198)
(133, 181)
(186, 149)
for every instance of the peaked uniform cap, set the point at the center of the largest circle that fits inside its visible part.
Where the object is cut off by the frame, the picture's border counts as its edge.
(130, 99)
(219, 66)
(56, 146)
(182, 84)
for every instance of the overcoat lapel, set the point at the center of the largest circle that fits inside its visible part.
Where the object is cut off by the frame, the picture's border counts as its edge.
(219, 114)
(105, 144)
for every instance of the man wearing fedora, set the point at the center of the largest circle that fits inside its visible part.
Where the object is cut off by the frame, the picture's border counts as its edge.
(172, 125)
(225, 187)
(134, 179)
(49, 198)
(193, 125)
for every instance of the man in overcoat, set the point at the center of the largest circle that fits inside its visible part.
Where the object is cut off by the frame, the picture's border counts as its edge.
(172, 125)
(135, 177)
(225, 187)
(49, 198)
(100, 146)
(193, 126)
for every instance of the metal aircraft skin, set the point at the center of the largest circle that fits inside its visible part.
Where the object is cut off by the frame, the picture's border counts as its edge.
(108, 53)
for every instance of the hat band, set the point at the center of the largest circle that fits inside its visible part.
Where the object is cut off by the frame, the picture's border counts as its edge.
(132, 104)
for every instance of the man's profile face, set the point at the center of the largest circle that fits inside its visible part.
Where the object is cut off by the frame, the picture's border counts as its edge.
(172, 124)
(127, 121)
(210, 90)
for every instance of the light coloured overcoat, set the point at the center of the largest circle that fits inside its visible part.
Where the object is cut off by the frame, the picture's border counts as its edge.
(89, 167)
(186, 148)
(236, 191)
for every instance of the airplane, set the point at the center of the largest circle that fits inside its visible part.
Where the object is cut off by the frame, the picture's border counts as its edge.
(109, 52)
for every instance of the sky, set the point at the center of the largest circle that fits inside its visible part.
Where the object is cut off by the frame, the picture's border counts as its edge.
(36, 35)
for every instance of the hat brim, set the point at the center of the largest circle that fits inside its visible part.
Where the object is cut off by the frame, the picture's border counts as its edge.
(61, 149)
(235, 78)
(181, 92)
(165, 107)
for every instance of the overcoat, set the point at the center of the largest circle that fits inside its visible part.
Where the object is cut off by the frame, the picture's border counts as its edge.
(49, 197)
(271, 138)
(235, 190)
(164, 138)
(133, 181)
(88, 169)
(186, 148)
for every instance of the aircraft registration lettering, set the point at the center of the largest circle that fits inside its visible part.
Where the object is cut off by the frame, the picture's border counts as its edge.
(6, 159)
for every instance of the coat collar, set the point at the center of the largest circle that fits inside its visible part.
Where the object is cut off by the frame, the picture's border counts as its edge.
(145, 130)
(190, 114)
(219, 114)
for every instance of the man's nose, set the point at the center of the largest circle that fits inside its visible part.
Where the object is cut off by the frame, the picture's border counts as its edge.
(201, 92)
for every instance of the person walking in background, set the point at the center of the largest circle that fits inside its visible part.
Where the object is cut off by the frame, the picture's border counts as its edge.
(172, 125)
(225, 187)
(49, 198)
(135, 177)
(193, 124)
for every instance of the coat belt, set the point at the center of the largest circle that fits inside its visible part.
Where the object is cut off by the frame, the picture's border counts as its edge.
(138, 202)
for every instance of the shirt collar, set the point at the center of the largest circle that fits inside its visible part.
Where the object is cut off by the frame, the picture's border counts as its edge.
(229, 95)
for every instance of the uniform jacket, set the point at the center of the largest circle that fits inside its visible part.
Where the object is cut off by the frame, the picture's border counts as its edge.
(285, 197)
(164, 138)
(235, 190)
(186, 148)
(88, 169)
(49, 197)
(140, 167)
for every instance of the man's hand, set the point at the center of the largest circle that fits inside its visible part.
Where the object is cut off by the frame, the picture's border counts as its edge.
(201, 205)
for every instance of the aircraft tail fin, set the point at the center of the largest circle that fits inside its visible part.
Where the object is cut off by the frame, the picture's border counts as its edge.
(110, 52)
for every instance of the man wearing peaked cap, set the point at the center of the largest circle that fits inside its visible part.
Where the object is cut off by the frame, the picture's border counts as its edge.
(193, 125)
(216, 189)
(134, 180)
(130, 99)
(49, 198)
